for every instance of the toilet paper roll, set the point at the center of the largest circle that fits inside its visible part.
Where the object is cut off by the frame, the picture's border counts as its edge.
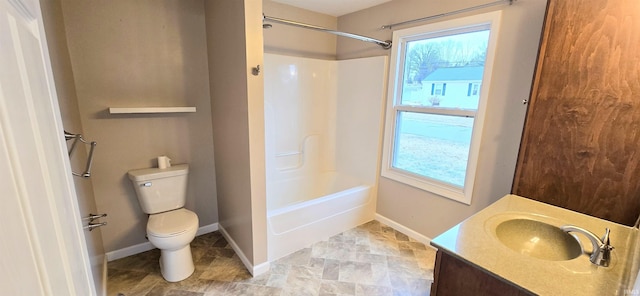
(164, 162)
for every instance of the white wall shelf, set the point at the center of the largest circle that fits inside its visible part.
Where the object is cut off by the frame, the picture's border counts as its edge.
(145, 110)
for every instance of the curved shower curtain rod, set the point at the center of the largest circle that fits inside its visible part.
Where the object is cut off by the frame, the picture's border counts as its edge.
(383, 44)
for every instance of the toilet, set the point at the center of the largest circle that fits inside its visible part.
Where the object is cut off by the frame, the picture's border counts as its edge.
(171, 228)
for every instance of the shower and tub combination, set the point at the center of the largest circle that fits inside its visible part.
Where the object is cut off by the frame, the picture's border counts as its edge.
(323, 124)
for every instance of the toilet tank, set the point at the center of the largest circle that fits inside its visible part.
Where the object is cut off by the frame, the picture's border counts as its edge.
(160, 190)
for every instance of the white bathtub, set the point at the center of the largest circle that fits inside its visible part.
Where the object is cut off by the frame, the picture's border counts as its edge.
(305, 210)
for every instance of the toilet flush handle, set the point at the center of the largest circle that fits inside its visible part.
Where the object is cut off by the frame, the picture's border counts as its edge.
(146, 184)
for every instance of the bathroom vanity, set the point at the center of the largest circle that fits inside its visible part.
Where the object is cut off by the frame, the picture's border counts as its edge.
(516, 247)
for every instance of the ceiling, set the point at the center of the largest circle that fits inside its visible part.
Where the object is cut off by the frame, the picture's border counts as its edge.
(333, 7)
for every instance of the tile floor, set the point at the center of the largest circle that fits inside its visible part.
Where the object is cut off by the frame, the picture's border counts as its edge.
(371, 259)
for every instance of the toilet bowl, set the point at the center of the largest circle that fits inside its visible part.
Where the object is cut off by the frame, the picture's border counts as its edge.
(172, 233)
(171, 228)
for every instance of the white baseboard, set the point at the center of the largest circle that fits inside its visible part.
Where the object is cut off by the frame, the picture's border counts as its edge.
(406, 230)
(207, 229)
(254, 270)
(261, 268)
(128, 251)
(146, 246)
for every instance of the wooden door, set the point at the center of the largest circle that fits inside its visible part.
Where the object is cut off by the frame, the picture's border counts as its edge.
(581, 143)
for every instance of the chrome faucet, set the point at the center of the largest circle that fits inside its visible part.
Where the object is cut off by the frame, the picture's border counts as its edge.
(601, 254)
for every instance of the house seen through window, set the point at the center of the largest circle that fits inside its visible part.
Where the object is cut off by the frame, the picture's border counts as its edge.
(435, 103)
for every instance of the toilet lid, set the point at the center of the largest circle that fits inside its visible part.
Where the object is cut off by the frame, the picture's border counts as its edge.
(171, 223)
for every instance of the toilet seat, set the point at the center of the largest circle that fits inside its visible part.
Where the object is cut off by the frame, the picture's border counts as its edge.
(172, 223)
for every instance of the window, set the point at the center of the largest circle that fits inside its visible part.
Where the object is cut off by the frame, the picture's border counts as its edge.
(473, 89)
(438, 89)
(436, 104)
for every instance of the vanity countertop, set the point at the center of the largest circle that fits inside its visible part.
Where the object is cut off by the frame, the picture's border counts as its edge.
(474, 241)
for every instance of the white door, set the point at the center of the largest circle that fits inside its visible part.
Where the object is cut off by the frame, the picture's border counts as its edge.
(42, 250)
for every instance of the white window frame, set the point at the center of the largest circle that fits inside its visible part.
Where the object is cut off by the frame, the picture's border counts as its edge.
(394, 96)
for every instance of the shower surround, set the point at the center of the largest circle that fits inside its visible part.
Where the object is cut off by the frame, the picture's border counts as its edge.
(323, 122)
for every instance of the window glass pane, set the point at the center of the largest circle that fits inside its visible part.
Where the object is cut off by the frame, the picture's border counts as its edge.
(439, 70)
(433, 146)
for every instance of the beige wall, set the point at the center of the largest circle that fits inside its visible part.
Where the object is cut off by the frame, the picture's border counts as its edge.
(255, 91)
(70, 113)
(518, 42)
(67, 99)
(237, 108)
(141, 54)
(293, 41)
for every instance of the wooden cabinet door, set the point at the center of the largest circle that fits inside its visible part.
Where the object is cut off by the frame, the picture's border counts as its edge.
(454, 277)
(581, 142)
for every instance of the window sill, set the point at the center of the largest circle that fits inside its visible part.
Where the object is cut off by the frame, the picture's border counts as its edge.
(437, 188)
